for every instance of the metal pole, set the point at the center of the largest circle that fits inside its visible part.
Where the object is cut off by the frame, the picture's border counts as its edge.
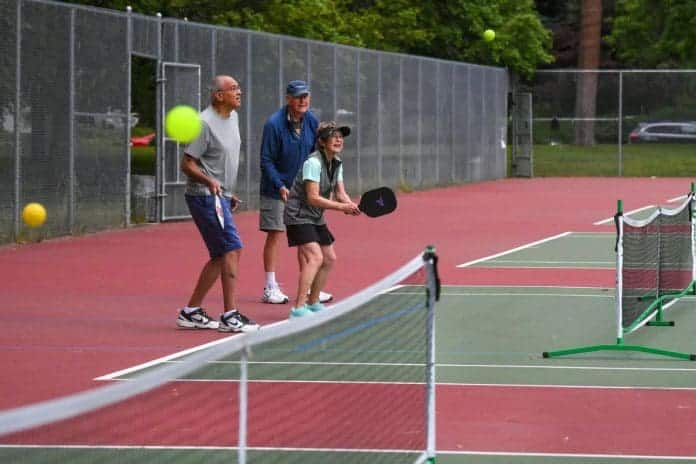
(619, 273)
(249, 96)
(281, 74)
(380, 138)
(17, 118)
(71, 126)
(334, 96)
(620, 123)
(420, 122)
(243, 397)
(432, 294)
(213, 60)
(453, 104)
(358, 141)
(159, 168)
(437, 123)
(129, 50)
(402, 171)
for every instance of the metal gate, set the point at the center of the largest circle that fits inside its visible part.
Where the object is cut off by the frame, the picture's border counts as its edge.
(180, 84)
(522, 157)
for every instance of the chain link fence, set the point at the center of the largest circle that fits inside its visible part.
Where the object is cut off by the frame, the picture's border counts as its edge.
(66, 103)
(614, 122)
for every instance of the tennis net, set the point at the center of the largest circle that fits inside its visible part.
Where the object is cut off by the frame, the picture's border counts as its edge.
(656, 264)
(354, 383)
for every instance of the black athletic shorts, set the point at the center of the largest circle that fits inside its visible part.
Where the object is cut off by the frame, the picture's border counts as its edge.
(299, 234)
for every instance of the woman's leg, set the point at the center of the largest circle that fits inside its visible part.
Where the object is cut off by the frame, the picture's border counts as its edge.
(309, 257)
(328, 260)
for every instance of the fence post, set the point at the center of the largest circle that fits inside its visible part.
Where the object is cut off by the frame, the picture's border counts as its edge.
(620, 123)
(17, 117)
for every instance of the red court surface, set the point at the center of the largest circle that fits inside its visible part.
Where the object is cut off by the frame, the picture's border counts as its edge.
(80, 307)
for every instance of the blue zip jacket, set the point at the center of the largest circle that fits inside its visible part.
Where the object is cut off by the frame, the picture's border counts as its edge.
(283, 151)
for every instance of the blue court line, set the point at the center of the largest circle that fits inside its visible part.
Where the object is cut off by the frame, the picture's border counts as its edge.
(359, 327)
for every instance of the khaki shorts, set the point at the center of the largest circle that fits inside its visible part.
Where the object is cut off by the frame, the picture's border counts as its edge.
(271, 214)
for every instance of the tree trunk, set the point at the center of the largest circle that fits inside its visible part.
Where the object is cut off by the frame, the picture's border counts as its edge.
(586, 93)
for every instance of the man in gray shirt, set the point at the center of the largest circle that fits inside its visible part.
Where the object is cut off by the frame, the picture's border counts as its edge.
(210, 163)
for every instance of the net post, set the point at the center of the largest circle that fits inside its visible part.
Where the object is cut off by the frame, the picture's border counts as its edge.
(432, 295)
(692, 222)
(618, 220)
(243, 405)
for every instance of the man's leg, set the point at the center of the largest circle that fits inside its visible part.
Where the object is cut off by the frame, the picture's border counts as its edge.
(194, 316)
(232, 320)
(209, 274)
(271, 290)
(270, 249)
(228, 276)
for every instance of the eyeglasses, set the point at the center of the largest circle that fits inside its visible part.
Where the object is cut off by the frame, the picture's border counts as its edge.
(231, 89)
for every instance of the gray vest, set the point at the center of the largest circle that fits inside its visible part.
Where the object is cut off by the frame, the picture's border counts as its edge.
(297, 210)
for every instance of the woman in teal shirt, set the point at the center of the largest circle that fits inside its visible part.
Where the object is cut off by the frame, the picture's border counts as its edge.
(318, 186)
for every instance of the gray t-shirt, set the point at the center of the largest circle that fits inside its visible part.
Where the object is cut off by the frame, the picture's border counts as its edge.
(217, 151)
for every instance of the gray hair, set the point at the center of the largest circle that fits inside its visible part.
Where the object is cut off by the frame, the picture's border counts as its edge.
(216, 84)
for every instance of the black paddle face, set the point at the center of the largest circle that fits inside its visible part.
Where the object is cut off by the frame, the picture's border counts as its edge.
(378, 202)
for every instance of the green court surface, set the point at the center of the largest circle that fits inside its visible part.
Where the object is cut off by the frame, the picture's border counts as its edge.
(496, 335)
(573, 250)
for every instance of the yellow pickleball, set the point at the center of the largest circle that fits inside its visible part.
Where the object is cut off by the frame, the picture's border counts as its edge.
(183, 124)
(34, 215)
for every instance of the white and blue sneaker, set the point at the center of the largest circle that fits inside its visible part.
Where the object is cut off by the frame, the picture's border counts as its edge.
(197, 319)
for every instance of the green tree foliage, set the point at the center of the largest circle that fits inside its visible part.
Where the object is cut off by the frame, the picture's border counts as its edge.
(652, 34)
(447, 29)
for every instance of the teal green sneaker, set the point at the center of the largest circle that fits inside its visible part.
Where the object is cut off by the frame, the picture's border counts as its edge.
(316, 307)
(300, 312)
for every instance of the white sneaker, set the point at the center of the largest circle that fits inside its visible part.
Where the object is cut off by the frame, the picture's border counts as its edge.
(197, 319)
(274, 296)
(325, 297)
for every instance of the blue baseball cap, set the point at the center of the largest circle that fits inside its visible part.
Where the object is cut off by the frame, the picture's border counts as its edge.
(297, 88)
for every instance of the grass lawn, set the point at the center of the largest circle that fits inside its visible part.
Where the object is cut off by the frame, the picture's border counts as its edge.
(638, 160)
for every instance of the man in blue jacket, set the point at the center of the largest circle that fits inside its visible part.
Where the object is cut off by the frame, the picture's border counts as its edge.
(288, 139)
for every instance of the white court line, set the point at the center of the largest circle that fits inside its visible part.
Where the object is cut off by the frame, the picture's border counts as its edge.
(579, 295)
(565, 387)
(589, 368)
(194, 349)
(212, 448)
(676, 199)
(627, 213)
(540, 262)
(528, 245)
(567, 455)
(440, 451)
(172, 356)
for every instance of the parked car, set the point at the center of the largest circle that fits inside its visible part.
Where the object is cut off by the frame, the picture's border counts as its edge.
(678, 132)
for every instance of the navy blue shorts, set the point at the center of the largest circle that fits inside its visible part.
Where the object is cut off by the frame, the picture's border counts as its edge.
(218, 240)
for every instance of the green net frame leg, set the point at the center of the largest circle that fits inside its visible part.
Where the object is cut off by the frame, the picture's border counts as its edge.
(619, 346)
